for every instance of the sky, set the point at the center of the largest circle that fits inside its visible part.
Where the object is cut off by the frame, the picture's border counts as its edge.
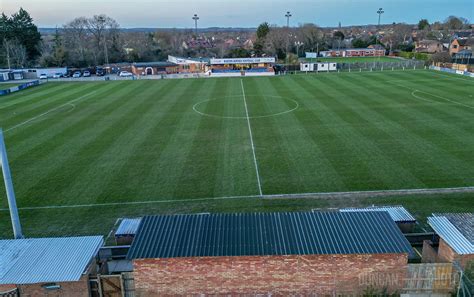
(240, 13)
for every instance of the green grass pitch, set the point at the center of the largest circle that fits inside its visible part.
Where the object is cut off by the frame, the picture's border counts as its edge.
(352, 60)
(147, 147)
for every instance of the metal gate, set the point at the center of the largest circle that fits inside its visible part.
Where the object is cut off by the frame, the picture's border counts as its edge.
(431, 278)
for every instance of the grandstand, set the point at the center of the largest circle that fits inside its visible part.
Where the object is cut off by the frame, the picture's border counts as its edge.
(242, 66)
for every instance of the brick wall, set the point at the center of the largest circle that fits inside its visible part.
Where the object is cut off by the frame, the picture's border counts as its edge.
(69, 289)
(279, 275)
(429, 254)
(6, 288)
(447, 254)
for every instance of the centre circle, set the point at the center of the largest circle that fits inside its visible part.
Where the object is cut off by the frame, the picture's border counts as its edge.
(222, 108)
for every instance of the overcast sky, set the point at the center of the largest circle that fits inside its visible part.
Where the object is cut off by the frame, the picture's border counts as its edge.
(239, 13)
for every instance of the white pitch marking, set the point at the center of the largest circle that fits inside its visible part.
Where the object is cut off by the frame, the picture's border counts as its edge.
(270, 196)
(421, 98)
(297, 105)
(49, 111)
(251, 139)
(440, 97)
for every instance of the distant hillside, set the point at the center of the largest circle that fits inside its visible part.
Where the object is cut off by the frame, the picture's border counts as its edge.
(201, 30)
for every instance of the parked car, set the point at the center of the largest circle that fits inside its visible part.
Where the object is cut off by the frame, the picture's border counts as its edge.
(43, 76)
(100, 71)
(86, 73)
(58, 75)
(125, 74)
(76, 74)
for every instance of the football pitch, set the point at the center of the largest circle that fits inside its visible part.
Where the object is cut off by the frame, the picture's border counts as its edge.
(84, 154)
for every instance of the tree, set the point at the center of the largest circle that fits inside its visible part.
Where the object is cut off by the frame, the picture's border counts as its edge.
(17, 53)
(360, 43)
(423, 24)
(262, 33)
(93, 41)
(18, 35)
(102, 28)
(276, 42)
(59, 52)
(263, 30)
(311, 36)
(443, 57)
(338, 35)
(455, 23)
(239, 53)
(26, 33)
(76, 41)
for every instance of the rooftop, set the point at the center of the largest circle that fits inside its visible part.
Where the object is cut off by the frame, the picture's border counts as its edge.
(252, 234)
(154, 64)
(128, 227)
(457, 229)
(397, 213)
(41, 260)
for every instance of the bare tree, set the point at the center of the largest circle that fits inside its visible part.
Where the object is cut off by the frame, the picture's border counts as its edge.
(311, 35)
(16, 52)
(276, 41)
(77, 41)
(103, 30)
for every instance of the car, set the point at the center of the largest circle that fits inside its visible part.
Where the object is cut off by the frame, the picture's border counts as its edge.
(43, 76)
(100, 71)
(76, 74)
(86, 73)
(125, 74)
(58, 75)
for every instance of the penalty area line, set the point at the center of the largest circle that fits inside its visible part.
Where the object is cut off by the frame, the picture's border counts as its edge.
(317, 195)
(70, 103)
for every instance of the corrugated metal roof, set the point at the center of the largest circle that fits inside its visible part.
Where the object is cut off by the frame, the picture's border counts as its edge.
(155, 64)
(464, 222)
(456, 229)
(128, 227)
(299, 233)
(397, 213)
(39, 260)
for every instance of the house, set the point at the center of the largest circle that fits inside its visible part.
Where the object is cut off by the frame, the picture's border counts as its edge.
(248, 44)
(301, 253)
(48, 266)
(355, 52)
(461, 44)
(402, 217)
(429, 46)
(197, 44)
(154, 68)
(456, 232)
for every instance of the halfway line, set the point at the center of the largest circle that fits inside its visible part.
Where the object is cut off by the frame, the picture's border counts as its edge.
(251, 139)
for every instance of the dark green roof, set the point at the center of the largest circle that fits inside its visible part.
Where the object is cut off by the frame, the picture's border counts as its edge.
(154, 64)
(299, 233)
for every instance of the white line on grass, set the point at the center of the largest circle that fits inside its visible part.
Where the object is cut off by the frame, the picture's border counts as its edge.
(440, 97)
(356, 194)
(50, 111)
(437, 96)
(251, 139)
